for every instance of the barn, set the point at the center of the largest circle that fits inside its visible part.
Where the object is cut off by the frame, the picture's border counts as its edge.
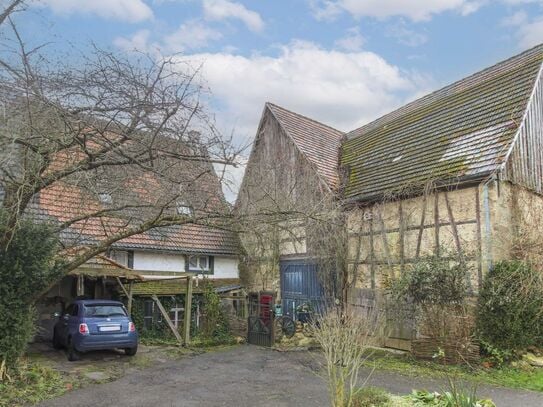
(458, 172)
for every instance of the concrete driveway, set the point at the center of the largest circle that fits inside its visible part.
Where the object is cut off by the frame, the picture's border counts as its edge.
(248, 376)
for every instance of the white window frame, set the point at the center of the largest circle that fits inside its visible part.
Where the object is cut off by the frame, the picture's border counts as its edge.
(198, 267)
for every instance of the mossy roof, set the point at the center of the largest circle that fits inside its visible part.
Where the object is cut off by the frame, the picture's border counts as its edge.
(463, 130)
(179, 286)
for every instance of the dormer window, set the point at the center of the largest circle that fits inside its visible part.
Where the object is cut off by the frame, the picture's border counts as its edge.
(183, 208)
(105, 198)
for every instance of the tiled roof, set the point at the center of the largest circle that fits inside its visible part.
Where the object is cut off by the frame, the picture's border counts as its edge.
(316, 141)
(66, 200)
(101, 266)
(462, 130)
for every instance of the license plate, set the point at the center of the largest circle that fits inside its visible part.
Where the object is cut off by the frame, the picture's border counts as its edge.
(109, 328)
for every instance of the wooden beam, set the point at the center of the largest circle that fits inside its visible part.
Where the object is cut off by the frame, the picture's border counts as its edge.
(167, 318)
(122, 286)
(436, 224)
(422, 221)
(453, 226)
(402, 237)
(479, 239)
(188, 308)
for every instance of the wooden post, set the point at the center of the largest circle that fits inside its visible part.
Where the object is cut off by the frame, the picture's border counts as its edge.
(436, 223)
(422, 221)
(130, 290)
(167, 318)
(188, 307)
(122, 286)
(80, 285)
(401, 233)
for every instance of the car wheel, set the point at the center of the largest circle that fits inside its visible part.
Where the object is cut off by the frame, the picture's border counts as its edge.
(56, 341)
(73, 354)
(131, 351)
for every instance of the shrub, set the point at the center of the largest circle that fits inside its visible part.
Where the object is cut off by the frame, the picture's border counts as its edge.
(26, 270)
(345, 338)
(371, 397)
(215, 327)
(510, 307)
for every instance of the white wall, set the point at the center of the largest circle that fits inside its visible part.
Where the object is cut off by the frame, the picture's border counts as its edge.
(224, 267)
(153, 261)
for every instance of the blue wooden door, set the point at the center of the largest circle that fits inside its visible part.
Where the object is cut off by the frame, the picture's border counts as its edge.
(299, 285)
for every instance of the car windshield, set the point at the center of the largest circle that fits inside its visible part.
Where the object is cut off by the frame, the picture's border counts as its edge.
(104, 311)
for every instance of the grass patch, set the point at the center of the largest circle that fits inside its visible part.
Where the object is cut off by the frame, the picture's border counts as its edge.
(33, 383)
(507, 376)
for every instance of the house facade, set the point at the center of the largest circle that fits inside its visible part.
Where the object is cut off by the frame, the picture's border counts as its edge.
(291, 176)
(458, 172)
(155, 258)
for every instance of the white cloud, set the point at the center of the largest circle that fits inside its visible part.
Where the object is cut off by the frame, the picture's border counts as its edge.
(353, 41)
(343, 89)
(531, 34)
(139, 41)
(132, 11)
(529, 30)
(217, 10)
(404, 35)
(190, 35)
(416, 10)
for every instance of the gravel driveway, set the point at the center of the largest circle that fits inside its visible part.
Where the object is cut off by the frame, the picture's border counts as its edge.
(248, 376)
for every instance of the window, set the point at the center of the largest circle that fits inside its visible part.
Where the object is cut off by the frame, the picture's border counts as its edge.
(123, 257)
(148, 310)
(201, 263)
(104, 311)
(183, 208)
(105, 198)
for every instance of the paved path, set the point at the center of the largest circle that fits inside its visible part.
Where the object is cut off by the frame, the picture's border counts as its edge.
(249, 376)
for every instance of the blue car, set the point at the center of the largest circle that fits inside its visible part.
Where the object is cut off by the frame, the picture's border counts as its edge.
(95, 325)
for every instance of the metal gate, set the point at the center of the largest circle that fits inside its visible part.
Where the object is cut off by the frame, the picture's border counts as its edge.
(299, 285)
(260, 322)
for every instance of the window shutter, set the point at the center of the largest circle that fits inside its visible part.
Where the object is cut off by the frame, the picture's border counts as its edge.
(211, 260)
(187, 263)
(131, 259)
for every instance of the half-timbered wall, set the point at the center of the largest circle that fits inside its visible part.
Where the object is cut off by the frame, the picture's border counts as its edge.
(385, 238)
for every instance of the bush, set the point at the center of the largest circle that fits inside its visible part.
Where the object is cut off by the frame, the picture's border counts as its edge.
(215, 327)
(26, 270)
(510, 307)
(432, 280)
(371, 397)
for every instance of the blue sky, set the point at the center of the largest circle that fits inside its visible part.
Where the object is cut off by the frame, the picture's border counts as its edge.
(342, 62)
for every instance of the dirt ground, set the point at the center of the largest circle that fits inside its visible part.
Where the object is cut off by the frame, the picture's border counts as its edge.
(246, 376)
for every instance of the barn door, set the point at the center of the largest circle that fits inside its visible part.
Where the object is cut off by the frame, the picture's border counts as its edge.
(299, 285)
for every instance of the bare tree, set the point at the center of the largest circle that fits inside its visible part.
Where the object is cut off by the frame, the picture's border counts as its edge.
(107, 148)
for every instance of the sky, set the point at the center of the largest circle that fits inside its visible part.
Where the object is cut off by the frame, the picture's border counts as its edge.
(341, 62)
